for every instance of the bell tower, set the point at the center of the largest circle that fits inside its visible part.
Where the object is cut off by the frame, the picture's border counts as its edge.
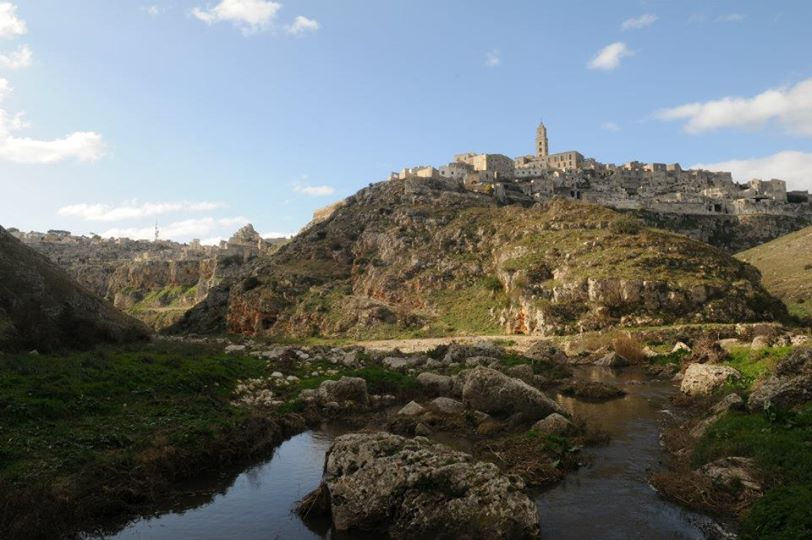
(542, 149)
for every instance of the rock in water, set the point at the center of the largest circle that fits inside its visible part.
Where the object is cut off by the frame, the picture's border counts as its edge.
(702, 379)
(494, 392)
(413, 488)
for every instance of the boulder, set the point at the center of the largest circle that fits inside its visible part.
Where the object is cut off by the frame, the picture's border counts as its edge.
(592, 390)
(553, 424)
(760, 342)
(703, 379)
(447, 405)
(412, 408)
(789, 385)
(733, 473)
(545, 350)
(523, 372)
(707, 351)
(680, 346)
(397, 363)
(412, 488)
(494, 392)
(457, 352)
(611, 359)
(345, 389)
(233, 349)
(475, 361)
(435, 383)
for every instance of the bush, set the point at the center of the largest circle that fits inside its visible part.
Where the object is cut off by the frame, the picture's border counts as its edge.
(625, 226)
(629, 348)
(783, 513)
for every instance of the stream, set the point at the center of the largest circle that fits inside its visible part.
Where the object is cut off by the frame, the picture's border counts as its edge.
(607, 498)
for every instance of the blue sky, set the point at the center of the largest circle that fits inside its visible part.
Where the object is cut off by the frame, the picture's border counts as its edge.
(204, 114)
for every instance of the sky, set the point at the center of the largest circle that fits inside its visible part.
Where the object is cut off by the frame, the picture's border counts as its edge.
(204, 115)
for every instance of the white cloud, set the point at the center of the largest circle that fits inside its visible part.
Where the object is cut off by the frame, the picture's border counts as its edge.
(789, 106)
(80, 145)
(153, 10)
(609, 57)
(302, 25)
(249, 15)
(636, 23)
(10, 25)
(185, 229)
(731, 18)
(131, 210)
(18, 59)
(792, 166)
(610, 126)
(314, 191)
(493, 58)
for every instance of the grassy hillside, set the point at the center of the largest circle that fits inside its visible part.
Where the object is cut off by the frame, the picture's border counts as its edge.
(786, 269)
(417, 258)
(43, 308)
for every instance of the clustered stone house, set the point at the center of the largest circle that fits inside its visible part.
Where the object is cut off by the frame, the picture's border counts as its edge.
(634, 185)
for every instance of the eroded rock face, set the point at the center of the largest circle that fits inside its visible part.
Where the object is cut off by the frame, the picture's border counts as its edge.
(703, 379)
(493, 392)
(413, 488)
(789, 385)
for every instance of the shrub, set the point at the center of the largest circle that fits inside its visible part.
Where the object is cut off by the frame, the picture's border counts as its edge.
(625, 226)
(629, 348)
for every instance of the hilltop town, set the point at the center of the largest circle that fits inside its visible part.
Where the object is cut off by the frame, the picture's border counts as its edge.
(656, 187)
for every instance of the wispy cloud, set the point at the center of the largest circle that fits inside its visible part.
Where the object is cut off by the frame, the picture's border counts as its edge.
(493, 58)
(206, 227)
(153, 10)
(133, 210)
(793, 166)
(610, 126)
(313, 191)
(789, 106)
(635, 23)
(250, 16)
(302, 25)
(731, 18)
(18, 59)
(10, 25)
(609, 57)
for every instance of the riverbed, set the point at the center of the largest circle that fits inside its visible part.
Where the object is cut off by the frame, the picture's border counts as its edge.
(608, 498)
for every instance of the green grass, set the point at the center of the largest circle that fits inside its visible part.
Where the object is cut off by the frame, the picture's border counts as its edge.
(59, 414)
(780, 442)
(674, 357)
(753, 365)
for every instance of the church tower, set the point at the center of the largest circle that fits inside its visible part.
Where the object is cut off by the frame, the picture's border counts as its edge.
(542, 149)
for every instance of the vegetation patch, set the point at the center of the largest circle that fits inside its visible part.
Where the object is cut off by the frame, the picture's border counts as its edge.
(104, 433)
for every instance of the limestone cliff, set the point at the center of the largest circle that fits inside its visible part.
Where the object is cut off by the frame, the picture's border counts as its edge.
(424, 257)
(156, 282)
(42, 308)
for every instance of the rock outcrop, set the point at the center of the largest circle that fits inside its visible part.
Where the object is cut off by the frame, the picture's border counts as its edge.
(43, 308)
(789, 385)
(413, 488)
(425, 255)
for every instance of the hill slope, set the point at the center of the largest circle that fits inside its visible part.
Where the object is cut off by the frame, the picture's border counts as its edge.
(427, 258)
(786, 267)
(42, 308)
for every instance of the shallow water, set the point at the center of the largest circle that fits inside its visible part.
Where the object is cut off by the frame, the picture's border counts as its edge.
(609, 498)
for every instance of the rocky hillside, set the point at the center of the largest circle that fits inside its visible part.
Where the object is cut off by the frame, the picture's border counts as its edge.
(786, 267)
(42, 308)
(155, 282)
(423, 257)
